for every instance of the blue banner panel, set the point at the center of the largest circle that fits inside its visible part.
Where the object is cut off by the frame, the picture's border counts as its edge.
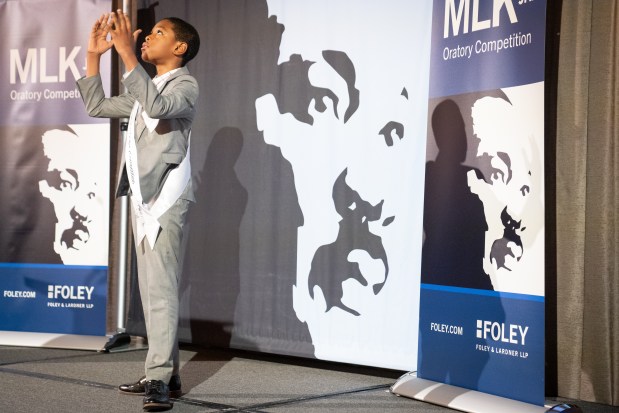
(481, 340)
(481, 319)
(53, 298)
(486, 44)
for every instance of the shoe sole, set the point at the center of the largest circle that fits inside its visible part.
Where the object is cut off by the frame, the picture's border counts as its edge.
(174, 394)
(157, 407)
(130, 393)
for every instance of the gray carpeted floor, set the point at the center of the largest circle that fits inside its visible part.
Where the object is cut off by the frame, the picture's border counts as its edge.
(52, 380)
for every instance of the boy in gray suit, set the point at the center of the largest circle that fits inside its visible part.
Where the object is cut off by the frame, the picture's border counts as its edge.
(155, 172)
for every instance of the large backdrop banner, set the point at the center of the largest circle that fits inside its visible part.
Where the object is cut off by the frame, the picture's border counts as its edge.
(54, 172)
(309, 159)
(482, 294)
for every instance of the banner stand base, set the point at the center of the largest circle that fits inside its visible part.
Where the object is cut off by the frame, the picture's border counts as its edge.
(458, 398)
(51, 340)
(120, 339)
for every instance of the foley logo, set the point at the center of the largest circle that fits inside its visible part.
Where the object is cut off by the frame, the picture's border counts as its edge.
(506, 333)
(70, 292)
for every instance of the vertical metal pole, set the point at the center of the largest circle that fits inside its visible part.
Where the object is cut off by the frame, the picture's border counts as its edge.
(123, 240)
(122, 338)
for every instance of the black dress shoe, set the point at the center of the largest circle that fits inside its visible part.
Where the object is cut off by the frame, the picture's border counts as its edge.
(137, 388)
(157, 398)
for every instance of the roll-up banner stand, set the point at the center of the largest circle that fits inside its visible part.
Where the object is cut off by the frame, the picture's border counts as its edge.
(54, 179)
(481, 325)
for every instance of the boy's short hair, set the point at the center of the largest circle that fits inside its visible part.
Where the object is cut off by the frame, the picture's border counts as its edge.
(186, 33)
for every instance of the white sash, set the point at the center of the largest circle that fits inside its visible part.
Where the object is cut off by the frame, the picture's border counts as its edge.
(147, 215)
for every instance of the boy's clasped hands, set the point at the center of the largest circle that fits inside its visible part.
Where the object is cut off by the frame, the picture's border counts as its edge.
(118, 26)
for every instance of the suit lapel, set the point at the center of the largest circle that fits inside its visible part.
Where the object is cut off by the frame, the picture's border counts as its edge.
(140, 125)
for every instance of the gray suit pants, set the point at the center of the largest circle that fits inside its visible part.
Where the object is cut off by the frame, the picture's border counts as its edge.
(159, 271)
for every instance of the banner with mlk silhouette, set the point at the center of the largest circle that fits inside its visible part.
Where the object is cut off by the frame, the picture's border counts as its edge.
(308, 156)
(54, 172)
(481, 322)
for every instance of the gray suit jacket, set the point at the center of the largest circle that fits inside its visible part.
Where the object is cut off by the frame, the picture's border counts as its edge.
(164, 148)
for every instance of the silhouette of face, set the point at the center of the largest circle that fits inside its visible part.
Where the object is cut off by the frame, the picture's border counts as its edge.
(76, 184)
(351, 119)
(510, 154)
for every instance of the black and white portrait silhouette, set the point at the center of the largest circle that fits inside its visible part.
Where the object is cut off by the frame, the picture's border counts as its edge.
(509, 133)
(484, 220)
(77, 184)
(350, 117)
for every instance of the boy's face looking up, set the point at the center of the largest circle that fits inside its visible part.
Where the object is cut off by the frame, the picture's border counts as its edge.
(161, 44)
